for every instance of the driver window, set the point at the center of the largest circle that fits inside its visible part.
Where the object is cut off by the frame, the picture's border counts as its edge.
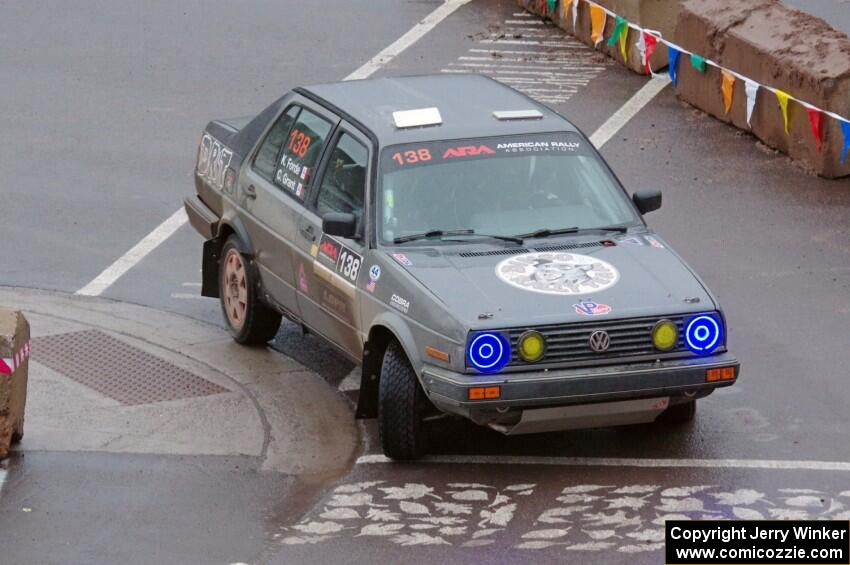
(344, 182)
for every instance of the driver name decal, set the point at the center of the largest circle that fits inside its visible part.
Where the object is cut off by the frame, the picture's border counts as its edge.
(557, 273)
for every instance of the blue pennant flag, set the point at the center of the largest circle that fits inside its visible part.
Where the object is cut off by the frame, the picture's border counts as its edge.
(673, 69)
(845, 129)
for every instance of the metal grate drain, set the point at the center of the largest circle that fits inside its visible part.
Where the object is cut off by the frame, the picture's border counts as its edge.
(118, 370)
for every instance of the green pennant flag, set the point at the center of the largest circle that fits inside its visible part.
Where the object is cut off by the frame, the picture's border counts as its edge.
(553, 5)
(620, 26)
(698, 62)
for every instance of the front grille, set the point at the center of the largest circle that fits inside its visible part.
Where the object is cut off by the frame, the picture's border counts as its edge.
(570, 344)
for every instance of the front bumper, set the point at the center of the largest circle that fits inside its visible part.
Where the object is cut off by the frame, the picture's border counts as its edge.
(679, 378)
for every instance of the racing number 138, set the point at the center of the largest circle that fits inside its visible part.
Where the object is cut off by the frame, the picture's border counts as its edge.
(349, 265)
(299, 142)
(410, 157)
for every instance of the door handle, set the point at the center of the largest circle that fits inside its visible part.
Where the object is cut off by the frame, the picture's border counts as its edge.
(307, 230)
(250, 191)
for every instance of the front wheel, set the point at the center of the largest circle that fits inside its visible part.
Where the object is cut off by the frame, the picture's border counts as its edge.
(249, 321)
(402, 406)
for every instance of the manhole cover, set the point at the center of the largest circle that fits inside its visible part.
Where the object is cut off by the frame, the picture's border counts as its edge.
(118, 370)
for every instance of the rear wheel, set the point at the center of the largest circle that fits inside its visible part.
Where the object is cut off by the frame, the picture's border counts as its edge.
(682, 413)
(402, 406)
(249, 320)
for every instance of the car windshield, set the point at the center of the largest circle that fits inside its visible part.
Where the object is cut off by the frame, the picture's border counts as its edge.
(498, 186)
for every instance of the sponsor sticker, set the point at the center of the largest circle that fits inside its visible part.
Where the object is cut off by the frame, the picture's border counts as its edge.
(402, 258)
(557, 273)
(374, 272)
(346, 262)
(303, 285)
(631, 241)
(370, 286)
(589, 308)
(399, 303)
(654, 242)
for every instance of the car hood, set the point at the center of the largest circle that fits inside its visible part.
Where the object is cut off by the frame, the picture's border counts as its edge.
(638, 276)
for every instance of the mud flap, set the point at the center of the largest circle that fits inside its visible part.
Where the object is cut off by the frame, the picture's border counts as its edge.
(209, 268)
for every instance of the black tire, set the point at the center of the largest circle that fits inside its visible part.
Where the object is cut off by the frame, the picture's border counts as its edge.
(402, 406)
(259, 323)
(679, 414)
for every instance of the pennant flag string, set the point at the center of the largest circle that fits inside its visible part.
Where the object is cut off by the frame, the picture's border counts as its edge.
(816, 121)
(752, 89)
(783, 104)
(597, 24)
(728, 88)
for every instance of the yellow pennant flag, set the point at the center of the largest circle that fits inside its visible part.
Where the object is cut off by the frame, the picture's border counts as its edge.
(728, 88)
(597, 23)
(567, 7)
(783, 103)
(624, 38)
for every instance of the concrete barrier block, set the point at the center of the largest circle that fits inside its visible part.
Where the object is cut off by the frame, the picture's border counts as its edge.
(776, 46)
(658, 15)
(14, 365)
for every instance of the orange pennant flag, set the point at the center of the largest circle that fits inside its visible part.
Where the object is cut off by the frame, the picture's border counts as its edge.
(567, 6)
(728, 88)
(783, 103)
(597, 23)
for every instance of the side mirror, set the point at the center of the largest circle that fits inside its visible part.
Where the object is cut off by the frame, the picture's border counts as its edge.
(340, 224)
(647, 200)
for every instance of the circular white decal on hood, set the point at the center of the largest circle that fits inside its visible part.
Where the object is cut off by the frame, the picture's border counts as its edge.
(557, 273)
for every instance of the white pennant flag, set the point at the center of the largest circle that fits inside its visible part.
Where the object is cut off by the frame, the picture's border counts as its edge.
(575, 13)
(752, 90)
(641, 45)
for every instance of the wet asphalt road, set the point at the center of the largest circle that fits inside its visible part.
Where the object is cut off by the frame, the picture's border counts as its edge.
(101, 115)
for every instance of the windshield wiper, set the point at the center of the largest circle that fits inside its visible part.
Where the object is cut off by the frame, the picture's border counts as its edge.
(546, 232)
(445, 233)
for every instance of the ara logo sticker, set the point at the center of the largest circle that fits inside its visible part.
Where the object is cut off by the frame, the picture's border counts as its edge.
(402, 258)
(557, 273)
(467, 151)
(588, 308)
(329, 249)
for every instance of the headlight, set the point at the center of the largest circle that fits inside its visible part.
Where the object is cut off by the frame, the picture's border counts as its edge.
(704, 333)
(532, 346)
(488, 352)
(665, 336)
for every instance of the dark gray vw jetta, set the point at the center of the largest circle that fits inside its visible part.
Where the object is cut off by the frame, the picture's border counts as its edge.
(467, 245)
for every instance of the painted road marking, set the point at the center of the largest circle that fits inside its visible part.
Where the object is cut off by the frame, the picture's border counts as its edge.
(138, 252)
(626, 518)
(547, 49)
(186, 296)
(628, 111)
(165, 230)
(622, 462)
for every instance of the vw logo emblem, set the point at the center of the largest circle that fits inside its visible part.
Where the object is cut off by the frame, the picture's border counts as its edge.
(600, 341)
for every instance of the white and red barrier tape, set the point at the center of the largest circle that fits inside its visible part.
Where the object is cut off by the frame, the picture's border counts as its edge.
(9, 365)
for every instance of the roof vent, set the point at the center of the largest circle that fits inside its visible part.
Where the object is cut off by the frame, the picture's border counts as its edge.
(417, 118)
(506, 115)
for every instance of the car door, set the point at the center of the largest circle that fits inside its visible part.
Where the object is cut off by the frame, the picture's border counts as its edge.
(328, 267)
(272, 191)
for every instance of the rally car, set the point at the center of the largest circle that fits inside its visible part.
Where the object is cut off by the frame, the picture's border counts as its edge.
(465, 244)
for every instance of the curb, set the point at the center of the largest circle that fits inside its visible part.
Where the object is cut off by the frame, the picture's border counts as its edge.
(269, 406)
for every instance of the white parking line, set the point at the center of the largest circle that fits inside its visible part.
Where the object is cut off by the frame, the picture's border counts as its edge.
(167, 228)
(628, 111)
(138, 252)
(768, 464)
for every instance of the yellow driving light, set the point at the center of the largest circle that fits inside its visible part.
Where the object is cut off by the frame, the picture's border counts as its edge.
(665, 336)
(532, 346)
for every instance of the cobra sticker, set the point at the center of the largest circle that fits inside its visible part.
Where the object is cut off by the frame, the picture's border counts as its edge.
(346, 261)
(213, 160)
(557, 273)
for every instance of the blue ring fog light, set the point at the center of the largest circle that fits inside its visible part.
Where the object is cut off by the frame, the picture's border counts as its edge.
(703, 334)
(488, 352)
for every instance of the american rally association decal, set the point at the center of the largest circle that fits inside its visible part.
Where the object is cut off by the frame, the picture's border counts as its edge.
(557, 273)
(346, 262)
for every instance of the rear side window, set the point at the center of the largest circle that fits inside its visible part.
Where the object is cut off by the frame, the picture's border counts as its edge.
(301, 150)
(265, 162)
